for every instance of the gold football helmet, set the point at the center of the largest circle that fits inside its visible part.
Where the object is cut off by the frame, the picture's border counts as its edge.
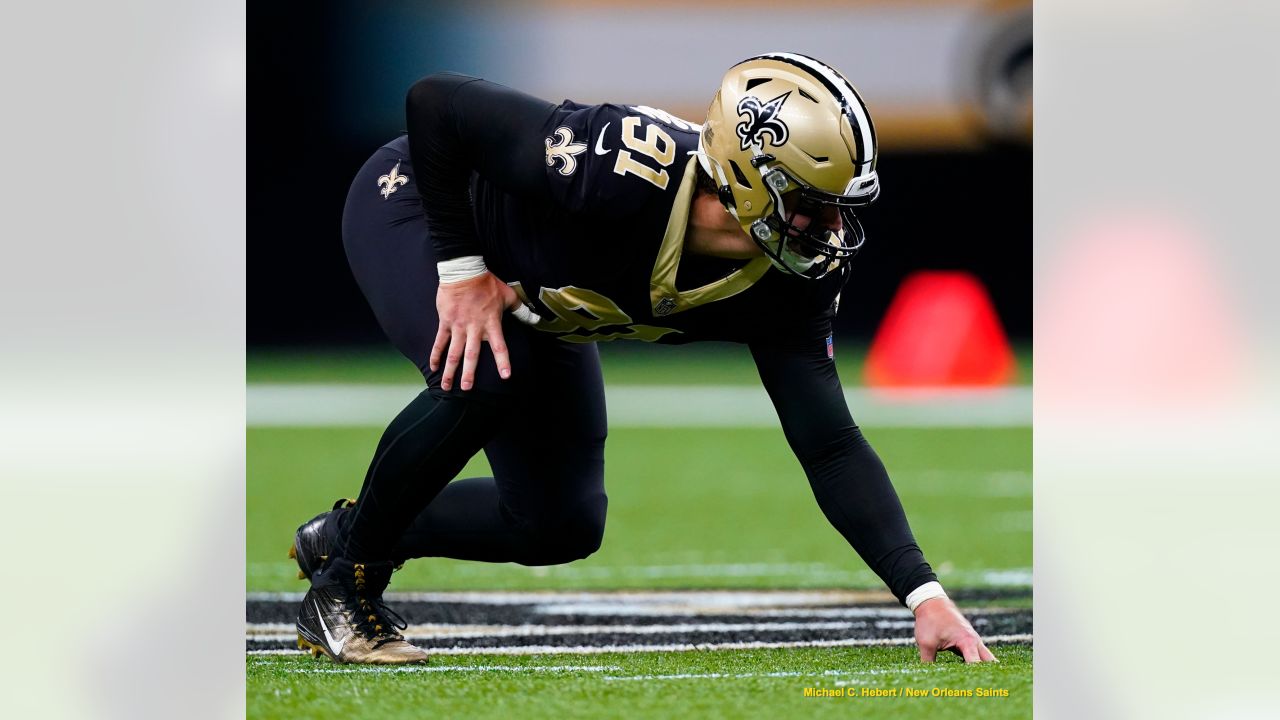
(787, 136)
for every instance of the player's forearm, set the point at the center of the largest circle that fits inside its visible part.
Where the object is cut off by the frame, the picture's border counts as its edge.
(849, 481)
(855, 493)
(460, 125)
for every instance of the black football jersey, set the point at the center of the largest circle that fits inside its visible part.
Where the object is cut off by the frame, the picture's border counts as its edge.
(584, 209)
(604, 260)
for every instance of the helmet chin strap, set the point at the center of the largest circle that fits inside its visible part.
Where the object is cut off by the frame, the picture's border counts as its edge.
(712, 168)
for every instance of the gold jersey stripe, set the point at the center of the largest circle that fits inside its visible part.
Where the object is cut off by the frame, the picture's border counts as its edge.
(663, 295)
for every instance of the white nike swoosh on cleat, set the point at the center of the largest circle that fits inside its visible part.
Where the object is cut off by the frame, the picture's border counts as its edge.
(333, 643)
(600, 140)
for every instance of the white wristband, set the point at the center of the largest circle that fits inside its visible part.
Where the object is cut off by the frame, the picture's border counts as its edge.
(460, 268)
(927, 591)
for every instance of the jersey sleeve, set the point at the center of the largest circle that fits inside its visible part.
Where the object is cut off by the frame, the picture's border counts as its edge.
(459, 125)
(612, 159)
(848, 479)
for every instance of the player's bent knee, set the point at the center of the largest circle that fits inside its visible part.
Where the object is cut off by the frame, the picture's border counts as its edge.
(582, 537)
(572, 536)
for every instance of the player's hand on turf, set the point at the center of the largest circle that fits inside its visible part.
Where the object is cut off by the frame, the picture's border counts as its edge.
(940, 626)
(471, 313)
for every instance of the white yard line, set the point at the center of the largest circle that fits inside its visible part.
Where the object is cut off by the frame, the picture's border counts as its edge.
(286, 631)
(777, 674)
(361, 669)
(410, 669)
(723, 599)
(658, 406)
(433, 632)
(677, 647)
(896, 618)
(1013, 577)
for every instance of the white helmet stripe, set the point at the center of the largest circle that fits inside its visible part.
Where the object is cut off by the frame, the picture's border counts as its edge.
(852, 100)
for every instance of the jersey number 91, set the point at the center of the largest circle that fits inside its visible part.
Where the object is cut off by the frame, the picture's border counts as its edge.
(656, 144)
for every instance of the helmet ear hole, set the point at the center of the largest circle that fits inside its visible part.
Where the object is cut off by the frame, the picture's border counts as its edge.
(739, 175)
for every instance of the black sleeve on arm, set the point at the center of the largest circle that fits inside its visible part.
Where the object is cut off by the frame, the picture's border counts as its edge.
(459, 125)
(849, 481)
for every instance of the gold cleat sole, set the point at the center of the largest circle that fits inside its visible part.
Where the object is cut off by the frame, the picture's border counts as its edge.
(319, 652)
(316, 650)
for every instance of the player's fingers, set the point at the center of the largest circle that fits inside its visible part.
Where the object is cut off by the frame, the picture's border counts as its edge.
(451, 360)
(511, 301)
(986, 655)
(928, 653)
(470, 358)
(508, 295)
(525, 315)
(498, 344)
(969, 650)
(438, 347)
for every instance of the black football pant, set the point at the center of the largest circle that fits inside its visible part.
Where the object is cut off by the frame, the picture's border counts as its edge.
(543, 430)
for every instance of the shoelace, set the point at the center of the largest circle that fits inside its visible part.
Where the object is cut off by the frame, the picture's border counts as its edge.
(373, 618)
(376, 621)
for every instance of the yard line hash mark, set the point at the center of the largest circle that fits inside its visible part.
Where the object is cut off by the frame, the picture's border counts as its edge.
(514, 623)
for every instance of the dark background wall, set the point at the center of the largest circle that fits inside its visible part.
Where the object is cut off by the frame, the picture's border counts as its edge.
(326, 89)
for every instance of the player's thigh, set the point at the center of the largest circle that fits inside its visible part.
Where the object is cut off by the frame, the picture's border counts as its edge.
(551, 460)
(388, 245)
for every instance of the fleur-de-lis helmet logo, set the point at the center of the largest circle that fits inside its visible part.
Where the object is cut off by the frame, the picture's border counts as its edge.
(762, 119)
(391, 181)
(563, 148)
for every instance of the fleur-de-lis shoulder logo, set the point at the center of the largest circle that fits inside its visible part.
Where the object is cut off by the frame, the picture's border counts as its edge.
(563, 148)
(392, 181)
(762, 119)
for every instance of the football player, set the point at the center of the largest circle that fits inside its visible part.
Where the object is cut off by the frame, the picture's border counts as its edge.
(504, 235)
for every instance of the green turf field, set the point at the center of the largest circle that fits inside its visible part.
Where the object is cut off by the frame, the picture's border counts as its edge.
(709, 508)
(689, 508)
(728, 684)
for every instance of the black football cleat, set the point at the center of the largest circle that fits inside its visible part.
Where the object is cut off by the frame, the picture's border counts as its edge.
(343, 616)
(315, 539)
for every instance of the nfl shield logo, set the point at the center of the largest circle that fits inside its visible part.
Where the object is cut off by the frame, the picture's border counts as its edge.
(831, 348)
(664, 307)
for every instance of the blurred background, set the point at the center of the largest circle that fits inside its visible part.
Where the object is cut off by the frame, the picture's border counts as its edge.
(948, 84)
